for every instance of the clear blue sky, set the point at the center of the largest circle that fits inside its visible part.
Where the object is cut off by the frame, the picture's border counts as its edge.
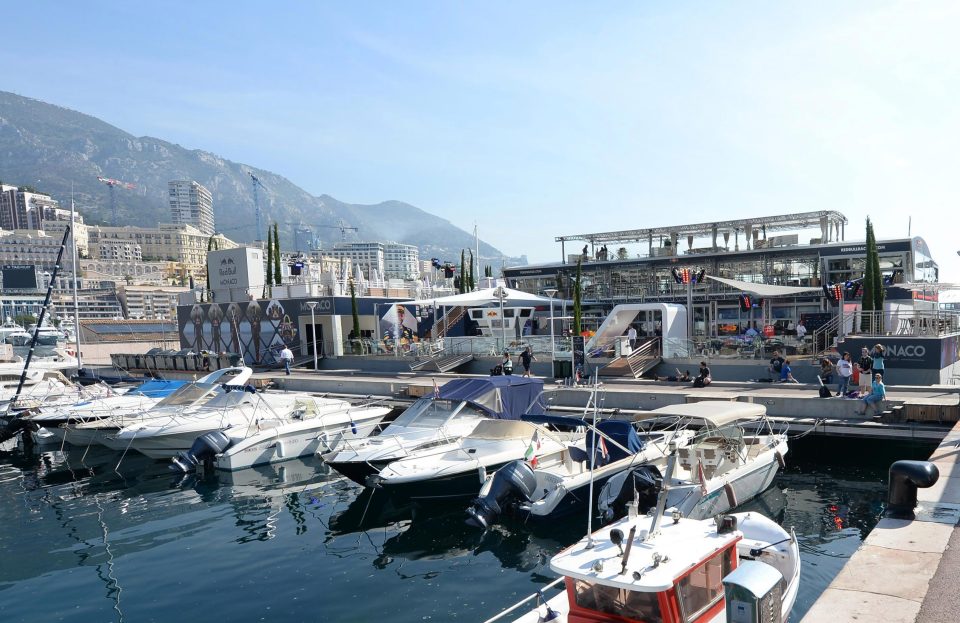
(537, 119)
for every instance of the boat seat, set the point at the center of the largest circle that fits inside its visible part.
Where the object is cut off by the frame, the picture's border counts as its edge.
(578, 455)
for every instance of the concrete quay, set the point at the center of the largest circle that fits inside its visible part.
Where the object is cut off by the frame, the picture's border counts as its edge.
(922, 413)
(906, 571)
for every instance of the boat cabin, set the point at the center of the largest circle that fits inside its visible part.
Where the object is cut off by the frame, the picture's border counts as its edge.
(675, 576)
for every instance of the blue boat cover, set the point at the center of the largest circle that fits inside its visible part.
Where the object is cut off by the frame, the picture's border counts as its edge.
(156, 389)
(620, 431)
(504, 397)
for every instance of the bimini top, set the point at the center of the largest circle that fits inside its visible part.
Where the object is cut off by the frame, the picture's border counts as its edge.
(713, 412)
(505, 397)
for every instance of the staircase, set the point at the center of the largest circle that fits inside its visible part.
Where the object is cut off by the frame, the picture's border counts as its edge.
(824, 336)
(443, 362)
(452, 317)
(645, 357)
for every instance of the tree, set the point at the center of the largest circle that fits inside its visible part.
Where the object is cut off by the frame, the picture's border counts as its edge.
(268, 287)
(212, 245)
(488, 271)
(872, 299)
(471, 279)
(577, 293)
(355, 311)
(622, 253)
(277, 276)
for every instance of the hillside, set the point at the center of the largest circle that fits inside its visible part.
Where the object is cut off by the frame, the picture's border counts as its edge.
(50, 148)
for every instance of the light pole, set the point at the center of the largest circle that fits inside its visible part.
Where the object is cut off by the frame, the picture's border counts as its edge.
(551, 292)
(500, 294)
(313, 331)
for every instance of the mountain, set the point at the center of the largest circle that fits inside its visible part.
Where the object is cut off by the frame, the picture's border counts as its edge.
(51, 148)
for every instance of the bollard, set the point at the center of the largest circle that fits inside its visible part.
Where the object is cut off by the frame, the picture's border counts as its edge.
(905, 478)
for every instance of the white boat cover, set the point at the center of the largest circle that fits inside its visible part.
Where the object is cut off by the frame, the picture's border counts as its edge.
(713, 412)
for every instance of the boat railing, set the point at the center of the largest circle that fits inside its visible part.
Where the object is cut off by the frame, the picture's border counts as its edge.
(538, 598)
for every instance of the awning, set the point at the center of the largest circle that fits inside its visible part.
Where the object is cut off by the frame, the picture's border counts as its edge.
(715, 413)
(511, 298)
(762, 289)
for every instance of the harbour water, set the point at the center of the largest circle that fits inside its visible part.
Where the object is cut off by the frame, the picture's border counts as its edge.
(85, 540)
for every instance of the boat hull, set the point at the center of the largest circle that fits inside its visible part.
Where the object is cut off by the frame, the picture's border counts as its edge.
(460, 485)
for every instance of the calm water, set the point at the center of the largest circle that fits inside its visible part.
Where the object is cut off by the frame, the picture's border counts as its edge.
(84, 541)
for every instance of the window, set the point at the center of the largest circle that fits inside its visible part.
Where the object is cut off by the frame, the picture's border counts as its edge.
(634, 605)
(703, 588)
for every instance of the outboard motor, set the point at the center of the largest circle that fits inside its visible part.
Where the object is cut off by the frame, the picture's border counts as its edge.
(515, 479)
(645, 482)
(203, 449)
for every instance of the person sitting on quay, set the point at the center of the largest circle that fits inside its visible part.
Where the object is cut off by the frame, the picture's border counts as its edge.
(786, 373)
(679, 378)
(826, 371)
(703, 378)
(776, 366)
(877, 394)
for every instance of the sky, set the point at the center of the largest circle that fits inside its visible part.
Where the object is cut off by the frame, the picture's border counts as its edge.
(537, 119)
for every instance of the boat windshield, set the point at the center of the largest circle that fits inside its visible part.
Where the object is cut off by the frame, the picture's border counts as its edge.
(431, 412)
(228, 399)
(188, 394)
(702, 588)
(631, 605)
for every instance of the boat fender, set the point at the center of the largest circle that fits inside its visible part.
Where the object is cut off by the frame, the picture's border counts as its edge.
(731, 495)
(204, 448)
(780, 460)
(514, 480)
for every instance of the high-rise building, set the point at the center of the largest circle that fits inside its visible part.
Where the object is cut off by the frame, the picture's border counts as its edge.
(389, 259)
(23, 209)
(191, 204)
(303, 240)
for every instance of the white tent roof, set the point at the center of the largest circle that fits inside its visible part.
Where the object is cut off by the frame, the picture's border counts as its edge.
(513, 298)
(713, 412)
(762, 289)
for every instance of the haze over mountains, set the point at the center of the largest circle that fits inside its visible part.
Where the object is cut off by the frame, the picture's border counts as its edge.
(50, 148)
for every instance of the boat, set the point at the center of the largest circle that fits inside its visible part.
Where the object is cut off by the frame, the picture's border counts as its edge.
(184, 399)
(723, 466)
(11, 328)
(47, 334)
(451, 412)
(459, 469)
(562, 481)
(667, 568)
(315, 425)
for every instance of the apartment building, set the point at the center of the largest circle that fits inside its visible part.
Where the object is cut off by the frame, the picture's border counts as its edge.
(191, 204)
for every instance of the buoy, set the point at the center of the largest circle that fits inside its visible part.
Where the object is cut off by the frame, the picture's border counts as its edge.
(731, 495)
(780, 460)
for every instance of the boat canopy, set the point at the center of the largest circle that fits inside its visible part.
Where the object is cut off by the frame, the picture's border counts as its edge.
(713, 412)
(504, 397)
(502, 429)
(156, 388)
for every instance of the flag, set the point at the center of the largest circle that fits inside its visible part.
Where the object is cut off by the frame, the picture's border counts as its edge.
(531, 452)
(703, 478)
(436, 389)
(603, 449)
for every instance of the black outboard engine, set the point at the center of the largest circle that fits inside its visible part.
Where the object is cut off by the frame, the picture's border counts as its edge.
(645, 482)
(515, 479)
(203, 449)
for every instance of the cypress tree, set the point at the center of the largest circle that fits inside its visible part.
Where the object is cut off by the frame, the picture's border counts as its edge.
(872, 299)
(577, 293)
(471, 278)
(277, 275)
(877, 277)
(269, 284)
(463, 271)
(355, 311)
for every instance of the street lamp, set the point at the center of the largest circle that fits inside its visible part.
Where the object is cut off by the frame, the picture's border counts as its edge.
(313, 330)
(552, 292)
(501, 294)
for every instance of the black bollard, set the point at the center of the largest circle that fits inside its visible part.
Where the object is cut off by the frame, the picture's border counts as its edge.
(905, 478)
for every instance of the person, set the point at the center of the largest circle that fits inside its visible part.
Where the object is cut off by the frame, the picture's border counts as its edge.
(679, 378)
(507, 364)
(866, 371)
(878, 393)
(826, 371)
(526, 357)
(844, 371)
(703, 378)
(878, 359)
(776, 365)
(286, 356)
(801, 331)
(786, 373)
(632, 337)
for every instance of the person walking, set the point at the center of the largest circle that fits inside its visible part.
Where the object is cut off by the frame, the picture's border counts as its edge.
(525, 358)
(878, 355)
(632, 337)
(844, 371)
(286, 356)
(866, 371)
(507, 364)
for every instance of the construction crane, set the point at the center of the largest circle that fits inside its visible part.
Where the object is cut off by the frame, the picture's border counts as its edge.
(256, 204)
(112, 184)
(343, 226)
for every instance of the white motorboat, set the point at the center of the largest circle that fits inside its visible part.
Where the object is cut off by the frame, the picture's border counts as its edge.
(314, 425)
(722, 467)
(459, 469)
(667, 568)
(11, 328)
(452, 412)
(185, 399)
(242, 409)
(562, 481)
(47, 334)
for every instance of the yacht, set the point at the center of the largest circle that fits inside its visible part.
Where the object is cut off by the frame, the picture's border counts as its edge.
(10, 328)
(450, 413)
(47, 334)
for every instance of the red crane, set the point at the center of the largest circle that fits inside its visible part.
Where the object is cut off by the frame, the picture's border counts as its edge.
(112, 184)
